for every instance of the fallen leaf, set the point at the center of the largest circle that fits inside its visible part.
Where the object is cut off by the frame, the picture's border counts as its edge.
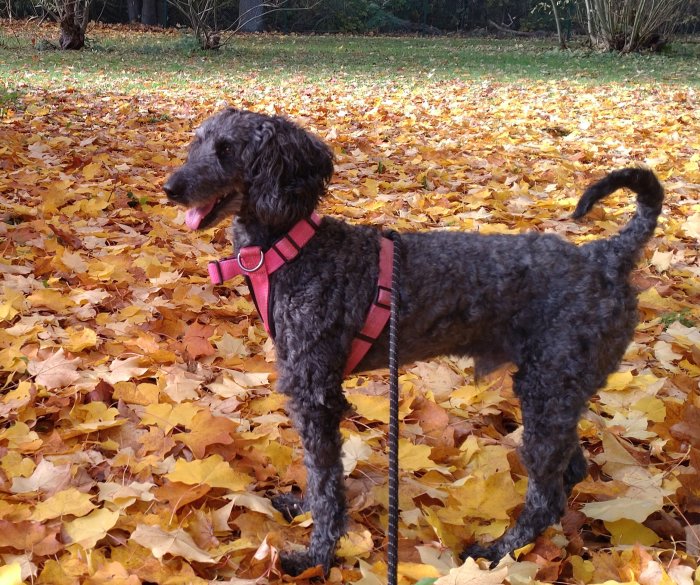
(621, 509)
(90, 529)
(176, 543)
(196, 340)
(56, 371)
(212, 471)
(47, 478)
(68, 502)
(471, 574)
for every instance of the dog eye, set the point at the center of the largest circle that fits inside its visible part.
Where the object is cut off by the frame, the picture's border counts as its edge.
(223, 148)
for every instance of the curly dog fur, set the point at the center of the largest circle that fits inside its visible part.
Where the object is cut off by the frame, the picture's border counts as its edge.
(562, 314)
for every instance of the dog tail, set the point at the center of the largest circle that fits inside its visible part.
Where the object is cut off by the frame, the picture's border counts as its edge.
(627, 245)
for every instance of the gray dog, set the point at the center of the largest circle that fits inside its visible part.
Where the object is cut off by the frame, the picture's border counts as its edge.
(563, 314)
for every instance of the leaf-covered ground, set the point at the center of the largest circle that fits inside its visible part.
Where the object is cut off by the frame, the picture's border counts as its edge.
(141, 435)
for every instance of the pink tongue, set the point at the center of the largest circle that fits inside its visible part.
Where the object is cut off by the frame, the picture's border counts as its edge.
(195, 215)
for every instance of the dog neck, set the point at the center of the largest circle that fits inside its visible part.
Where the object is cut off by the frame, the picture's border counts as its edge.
(248, 232)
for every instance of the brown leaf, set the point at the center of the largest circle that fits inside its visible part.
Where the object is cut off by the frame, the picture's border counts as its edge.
(35, 536)
(196, 340)
(207, 430)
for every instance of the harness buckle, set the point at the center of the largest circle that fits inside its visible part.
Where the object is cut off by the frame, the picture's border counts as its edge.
(246, 269)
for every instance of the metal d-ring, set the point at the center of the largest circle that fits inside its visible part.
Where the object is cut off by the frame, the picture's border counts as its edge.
(262, 259)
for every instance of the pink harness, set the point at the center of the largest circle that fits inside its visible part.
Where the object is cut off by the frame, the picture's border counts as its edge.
(257, 266)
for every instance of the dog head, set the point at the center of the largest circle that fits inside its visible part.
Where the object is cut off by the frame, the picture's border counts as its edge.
(264, 169)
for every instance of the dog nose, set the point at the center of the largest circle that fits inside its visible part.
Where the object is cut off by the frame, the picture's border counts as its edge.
(173, 189)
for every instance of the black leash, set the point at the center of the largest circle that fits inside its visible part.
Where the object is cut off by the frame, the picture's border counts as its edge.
(393, 526)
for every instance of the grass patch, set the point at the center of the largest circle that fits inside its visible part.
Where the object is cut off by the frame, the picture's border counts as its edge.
(683, 317)
(9, 100)
(121, 59)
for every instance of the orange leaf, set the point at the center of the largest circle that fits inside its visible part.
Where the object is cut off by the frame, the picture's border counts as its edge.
(207, 430)
(196, 340)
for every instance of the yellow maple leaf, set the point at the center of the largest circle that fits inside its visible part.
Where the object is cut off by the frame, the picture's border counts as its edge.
(14, 465)
(414, 457)
(665, 355)
(180, 385)
(125, 495)
(11, 574)
(280, 456)
(53, 299)
(371, 407)
(12, 305)
(489, 498)
(80, 339)
(651, 299)
(626, 508)
(418, 571)
(92, 417)
(583, 569)
(19, 436)
(212, 471)
(207, 430)
(626, 531)
(74, 261)
(68, 502)
(91, 207)
(143, 394)
(168, 416)
(88, 530)
(46, 478)
(355, 544)
(91, 170)
(619, 381)
(270, 403)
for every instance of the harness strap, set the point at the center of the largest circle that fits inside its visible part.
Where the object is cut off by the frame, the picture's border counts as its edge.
(257, 266)
(379, 311)
(282, 251)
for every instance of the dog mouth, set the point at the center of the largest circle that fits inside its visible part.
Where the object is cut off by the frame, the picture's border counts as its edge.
(204, 216)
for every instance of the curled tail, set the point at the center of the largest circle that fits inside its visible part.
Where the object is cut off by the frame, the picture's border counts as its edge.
(626, 245)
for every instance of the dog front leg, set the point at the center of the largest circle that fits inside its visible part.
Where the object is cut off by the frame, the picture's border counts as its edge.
(318, 426)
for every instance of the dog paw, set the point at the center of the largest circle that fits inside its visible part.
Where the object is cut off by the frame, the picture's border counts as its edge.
(476, 551)
(296, 563)
(289, 505)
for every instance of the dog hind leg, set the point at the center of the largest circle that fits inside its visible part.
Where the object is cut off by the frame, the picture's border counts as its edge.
(554, 461)
(576, 471)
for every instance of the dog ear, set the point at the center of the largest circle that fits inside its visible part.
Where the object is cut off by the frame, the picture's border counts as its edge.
(287, 171)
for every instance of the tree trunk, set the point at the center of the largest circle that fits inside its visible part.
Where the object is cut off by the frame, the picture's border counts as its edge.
(134, 8)
(250, 15)
(72, 38)
(592, 35)
(560, 34)
(149, 13)
(72, 32)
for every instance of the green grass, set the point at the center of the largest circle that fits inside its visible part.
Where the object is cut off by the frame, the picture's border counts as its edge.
(130, 61)
(684, 317)
(9, 99)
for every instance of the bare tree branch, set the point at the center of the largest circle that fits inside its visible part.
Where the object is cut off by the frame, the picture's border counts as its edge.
(201, 16)
(631, 25)
(72, 16)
